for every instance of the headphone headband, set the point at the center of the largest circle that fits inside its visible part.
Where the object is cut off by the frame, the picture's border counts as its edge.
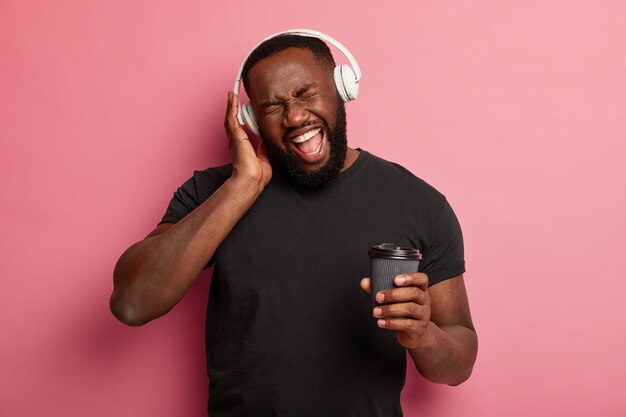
(346, 77)
(312, 34)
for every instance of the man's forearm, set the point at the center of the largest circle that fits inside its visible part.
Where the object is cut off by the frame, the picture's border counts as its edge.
(447, 354)
(155, 273)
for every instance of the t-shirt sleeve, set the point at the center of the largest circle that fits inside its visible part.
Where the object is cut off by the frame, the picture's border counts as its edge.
(444, 258)
(195, 191)
(183, 202)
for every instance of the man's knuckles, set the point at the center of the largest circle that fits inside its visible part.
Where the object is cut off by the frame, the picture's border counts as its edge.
(400, 310)
(407, 325)
(418, 279)
(403, 294)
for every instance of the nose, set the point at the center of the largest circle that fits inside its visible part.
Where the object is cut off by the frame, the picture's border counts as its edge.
(295, 114)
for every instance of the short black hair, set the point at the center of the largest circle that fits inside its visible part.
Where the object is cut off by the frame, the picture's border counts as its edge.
(281, 42)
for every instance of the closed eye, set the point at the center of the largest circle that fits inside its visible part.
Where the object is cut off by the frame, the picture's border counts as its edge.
(305, 91)
(271, 106)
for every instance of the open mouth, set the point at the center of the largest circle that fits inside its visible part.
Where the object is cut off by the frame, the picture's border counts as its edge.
(310, 145)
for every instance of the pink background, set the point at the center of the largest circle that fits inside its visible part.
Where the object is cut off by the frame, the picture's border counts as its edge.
(515, 110)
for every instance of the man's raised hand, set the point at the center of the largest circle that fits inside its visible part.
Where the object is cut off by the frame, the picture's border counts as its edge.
(405, 309)
(247, 164)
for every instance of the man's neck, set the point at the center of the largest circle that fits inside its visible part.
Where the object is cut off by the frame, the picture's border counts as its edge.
(351, 156)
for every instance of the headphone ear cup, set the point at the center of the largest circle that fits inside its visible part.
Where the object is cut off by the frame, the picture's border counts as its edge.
(345, 81)
(249, 119)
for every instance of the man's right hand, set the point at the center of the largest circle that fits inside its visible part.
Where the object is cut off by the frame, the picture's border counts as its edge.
(155, 273)
(247, 164)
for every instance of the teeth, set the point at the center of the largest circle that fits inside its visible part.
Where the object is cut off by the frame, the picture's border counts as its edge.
(308, 135)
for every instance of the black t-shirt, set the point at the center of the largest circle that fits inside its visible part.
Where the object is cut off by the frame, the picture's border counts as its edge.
(289, 331)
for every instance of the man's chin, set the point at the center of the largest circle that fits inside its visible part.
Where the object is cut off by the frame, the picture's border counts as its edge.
(288, 165)
(315, 167)
(304, 177)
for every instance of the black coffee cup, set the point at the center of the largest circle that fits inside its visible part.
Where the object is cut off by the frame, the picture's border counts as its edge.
(388, 260)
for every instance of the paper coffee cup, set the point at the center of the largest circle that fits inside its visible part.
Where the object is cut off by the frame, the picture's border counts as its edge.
(388, 260)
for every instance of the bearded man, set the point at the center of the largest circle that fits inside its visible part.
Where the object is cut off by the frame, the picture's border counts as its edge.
(291, 329)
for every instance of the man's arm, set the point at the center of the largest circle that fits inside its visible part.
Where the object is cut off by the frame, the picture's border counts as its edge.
(153, 275)
(433, 323)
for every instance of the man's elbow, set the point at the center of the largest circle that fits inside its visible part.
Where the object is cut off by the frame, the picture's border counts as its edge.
(467, 359)
(126, 312)
(467, 370)
(462, 378)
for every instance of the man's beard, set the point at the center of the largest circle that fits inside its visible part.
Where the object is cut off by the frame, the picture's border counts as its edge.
(288, 164)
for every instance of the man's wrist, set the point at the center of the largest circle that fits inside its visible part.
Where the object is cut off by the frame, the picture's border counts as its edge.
(427, 342)
(245, 187)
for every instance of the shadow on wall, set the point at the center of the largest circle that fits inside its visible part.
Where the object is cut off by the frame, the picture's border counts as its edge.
(418, 393)
(164, 358)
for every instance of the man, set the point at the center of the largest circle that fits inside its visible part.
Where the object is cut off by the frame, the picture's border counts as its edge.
(288, 227)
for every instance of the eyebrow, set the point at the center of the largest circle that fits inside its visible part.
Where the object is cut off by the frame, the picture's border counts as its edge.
(270, 103)
(298, 93)
(305, 88)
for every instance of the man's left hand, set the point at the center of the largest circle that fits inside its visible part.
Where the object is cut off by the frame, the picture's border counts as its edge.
(405, 309)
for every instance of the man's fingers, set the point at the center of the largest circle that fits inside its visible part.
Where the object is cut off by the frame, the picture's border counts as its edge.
(403, 294)
(231, 113)
(405, 325)
(231, 123)
(229, 106)
(406, 310)
(233, 101)
(416, 279)
(366, 285)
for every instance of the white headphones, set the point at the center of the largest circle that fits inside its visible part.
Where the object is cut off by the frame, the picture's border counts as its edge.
(346, 76)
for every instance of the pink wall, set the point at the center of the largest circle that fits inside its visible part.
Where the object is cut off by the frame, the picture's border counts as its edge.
(515, 110)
